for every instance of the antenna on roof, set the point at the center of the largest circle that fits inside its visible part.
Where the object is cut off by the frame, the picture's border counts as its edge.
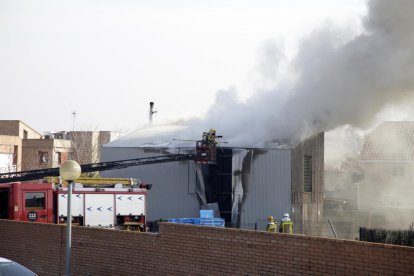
(74, 117)
(151, 111)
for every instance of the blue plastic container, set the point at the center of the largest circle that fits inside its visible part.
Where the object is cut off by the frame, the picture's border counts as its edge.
(206, 214)
(216, 222)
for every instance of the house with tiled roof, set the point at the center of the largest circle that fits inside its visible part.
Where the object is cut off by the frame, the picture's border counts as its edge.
(387, 159)
(393, 141)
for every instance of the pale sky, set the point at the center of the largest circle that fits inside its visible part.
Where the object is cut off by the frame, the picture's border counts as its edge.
(108, 59)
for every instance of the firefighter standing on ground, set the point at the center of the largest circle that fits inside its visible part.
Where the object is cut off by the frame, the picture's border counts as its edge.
(286, 226)
(271, 225)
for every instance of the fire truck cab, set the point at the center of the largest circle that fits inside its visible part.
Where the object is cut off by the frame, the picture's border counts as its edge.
(26, 202)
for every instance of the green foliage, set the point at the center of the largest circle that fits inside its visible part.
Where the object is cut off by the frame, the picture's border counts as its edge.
(397, 237)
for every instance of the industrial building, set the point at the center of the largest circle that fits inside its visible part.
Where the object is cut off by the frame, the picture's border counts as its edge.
(247, 183)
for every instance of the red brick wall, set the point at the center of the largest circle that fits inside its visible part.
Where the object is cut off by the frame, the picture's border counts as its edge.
(187, 249)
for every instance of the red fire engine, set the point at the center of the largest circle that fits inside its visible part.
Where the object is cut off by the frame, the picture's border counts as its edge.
(115, 207)
(112, 207)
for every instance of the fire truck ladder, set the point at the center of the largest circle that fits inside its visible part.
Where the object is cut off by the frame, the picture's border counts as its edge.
(94, 167)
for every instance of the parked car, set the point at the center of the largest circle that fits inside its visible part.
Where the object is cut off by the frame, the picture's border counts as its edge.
(10, 268)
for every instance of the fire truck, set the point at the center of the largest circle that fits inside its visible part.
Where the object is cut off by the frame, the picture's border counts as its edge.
(110, 206)
(113, 205)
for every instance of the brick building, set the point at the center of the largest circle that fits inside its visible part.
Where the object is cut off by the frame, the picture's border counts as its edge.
(45, 153)
(13, 133)
(23, 148)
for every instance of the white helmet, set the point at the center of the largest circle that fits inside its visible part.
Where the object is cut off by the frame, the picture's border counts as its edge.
(286, 215)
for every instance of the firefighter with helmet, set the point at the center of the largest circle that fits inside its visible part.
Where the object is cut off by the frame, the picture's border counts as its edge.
(286, 225)
(211, 137)
(271, 225)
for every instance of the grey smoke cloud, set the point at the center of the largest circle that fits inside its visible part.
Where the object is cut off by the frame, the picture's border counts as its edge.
(334, 84)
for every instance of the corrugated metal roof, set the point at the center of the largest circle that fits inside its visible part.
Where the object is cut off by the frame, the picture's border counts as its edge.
(389, 141)
(178, 136)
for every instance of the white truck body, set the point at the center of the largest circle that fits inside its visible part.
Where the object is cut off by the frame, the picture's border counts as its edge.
(102, 207)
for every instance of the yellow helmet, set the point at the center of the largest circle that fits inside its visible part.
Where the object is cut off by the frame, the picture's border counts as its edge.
(212, 130)
(270, 218)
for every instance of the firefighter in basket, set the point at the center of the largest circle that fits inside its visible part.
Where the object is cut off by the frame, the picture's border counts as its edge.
(211, 137)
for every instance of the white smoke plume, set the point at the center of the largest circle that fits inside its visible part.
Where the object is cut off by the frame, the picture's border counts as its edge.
(334, 83)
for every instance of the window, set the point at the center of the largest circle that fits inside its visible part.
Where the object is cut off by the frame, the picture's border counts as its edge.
(35, 200)
(59, 157)
(25, 134)
(398, 172)
(43, 157)
(307, 174)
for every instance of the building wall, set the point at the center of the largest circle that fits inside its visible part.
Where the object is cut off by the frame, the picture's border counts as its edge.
(261, 186)
(33, 149)
(173, 193)
(266, 188)
(387, 186)
(196, 250)
(307, 206)
(11, 134)
(11, 146)
(387, 179)
(18, 128)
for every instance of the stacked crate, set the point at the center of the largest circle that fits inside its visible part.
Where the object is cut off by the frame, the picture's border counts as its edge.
(206, 218)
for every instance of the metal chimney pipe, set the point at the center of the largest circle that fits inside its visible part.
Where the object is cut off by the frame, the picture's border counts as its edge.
(151, 111)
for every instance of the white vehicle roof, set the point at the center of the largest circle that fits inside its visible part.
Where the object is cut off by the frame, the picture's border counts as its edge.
(4, 260)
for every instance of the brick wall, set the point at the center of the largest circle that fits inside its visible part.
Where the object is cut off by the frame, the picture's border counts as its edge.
(188, 250)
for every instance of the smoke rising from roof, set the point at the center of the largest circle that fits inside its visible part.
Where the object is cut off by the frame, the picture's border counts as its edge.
(335, 83)
(334, 80)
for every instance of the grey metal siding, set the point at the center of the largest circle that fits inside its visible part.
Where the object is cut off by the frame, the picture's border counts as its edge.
(268, 189)
(174, 184)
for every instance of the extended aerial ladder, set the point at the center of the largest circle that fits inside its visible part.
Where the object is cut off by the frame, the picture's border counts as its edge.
(205, 154)
(94, 167)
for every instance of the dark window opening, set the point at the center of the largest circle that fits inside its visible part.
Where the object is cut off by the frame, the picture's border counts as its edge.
(25, 134)
(35, 200)
(43, 157)
(307, 174)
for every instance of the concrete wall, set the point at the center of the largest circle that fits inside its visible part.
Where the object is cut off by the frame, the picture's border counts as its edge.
(195, 250)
